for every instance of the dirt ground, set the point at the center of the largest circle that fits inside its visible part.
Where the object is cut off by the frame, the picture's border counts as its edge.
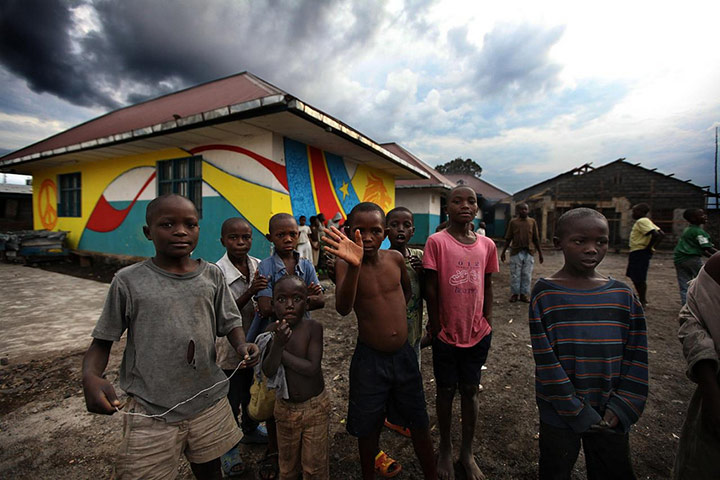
(46, 432)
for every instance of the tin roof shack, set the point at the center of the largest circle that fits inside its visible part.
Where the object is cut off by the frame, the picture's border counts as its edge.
(424, 197)
(613, 189)
(15, 207)
(491, 212)
(237, 147)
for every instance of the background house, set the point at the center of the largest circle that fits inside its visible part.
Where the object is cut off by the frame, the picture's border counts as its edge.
(15, 207)
(494, 215)
(424, 197)
(613, 189)
(237, 146)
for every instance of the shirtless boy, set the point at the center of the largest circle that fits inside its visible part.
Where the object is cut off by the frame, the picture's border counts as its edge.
(385, 378)
(303, 419)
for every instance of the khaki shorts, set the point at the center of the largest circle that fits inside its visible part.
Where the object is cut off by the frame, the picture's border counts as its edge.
(151, 448)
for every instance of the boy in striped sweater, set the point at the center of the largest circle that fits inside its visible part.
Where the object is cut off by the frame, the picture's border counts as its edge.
(590, 347)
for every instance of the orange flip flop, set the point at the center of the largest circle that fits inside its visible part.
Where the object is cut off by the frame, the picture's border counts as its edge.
(405, 432)
(385, 466)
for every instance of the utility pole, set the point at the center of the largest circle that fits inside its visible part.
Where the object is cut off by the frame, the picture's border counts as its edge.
(717, 199)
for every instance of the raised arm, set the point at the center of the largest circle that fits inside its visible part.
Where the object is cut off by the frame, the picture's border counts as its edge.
(272, 360)
(347, 268)
(100, 396)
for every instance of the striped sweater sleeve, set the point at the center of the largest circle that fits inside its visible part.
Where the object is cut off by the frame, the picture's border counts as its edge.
(552, 383)
(628, 398)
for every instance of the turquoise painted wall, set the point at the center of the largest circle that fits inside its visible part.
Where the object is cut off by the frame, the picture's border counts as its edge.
(425, 225)
(128, 238)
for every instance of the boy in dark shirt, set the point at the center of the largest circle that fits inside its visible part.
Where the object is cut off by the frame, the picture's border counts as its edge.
(522, 234)
(172, 308)
(384, 373)
(303, 419)
(590, 347)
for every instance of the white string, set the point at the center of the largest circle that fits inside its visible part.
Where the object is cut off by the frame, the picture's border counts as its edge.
(227, 379)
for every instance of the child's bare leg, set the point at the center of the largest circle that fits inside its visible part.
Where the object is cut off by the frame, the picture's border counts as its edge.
(443, 407)
(369, 447)
(207, 471)
(422, 443)
(469, 406)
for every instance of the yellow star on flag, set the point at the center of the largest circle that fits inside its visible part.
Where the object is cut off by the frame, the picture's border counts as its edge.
(344, 190)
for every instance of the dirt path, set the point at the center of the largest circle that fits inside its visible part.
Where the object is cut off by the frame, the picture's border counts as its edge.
(46, 432)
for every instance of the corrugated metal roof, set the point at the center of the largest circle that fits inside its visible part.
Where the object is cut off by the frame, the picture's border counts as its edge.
(436, 179)
(228, 91)
(482, 187)
(229, 99)
(14, 188)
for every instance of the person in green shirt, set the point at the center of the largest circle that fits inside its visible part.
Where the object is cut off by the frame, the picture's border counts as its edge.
(692, 245)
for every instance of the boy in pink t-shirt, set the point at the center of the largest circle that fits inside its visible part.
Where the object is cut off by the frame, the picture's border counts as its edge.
(458, 265)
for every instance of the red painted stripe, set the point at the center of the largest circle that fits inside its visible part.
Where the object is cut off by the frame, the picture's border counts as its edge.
(276, 169)
(106, 218)
(323, 188)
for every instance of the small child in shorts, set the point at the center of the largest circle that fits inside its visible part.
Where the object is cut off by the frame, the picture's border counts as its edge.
(589, 342)
(303, 418)
(458, 267)
(385, 379)
(283, 232)
(172, 307)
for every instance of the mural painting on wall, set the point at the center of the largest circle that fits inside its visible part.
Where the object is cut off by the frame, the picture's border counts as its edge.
(236, 182)
(47, 205)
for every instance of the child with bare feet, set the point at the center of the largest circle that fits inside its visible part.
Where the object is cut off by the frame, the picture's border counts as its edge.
(172, 308)
(590, 347)
(385, 379)
(458, 267)
(303, 418)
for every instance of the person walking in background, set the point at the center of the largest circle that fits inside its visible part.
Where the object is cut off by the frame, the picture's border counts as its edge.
(303, 246)
(522, 234)
(692, 245)
(644, 236)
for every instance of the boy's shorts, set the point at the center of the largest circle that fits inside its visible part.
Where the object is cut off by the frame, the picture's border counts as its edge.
(638, 265)
(385, 385)
(151, 448)
(459, 365)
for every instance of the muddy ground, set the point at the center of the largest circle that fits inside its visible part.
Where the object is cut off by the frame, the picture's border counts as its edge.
(45, 431)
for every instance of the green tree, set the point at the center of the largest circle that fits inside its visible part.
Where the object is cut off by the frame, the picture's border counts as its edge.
(465, 167)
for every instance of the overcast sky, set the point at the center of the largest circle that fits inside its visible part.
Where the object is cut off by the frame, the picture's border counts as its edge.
(527, 89)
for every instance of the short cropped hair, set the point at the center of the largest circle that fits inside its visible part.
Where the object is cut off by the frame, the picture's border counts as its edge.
(397, 210)
(365, 207)
(458, 187)
(278, 217)
(642, 207)
(289, 278)
(566, 220)
(232, 221)
(689, 213)
(158, 201)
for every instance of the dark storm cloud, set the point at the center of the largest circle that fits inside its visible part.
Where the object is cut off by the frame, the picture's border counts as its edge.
(35, 44)
(146, 48)
(513, 61)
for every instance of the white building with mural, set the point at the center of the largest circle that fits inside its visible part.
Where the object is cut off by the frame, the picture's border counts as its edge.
(237, 147)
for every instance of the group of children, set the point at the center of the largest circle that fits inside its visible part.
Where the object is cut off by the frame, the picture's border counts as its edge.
(587, 332)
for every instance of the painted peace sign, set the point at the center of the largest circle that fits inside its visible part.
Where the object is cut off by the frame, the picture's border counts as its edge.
(47, 201)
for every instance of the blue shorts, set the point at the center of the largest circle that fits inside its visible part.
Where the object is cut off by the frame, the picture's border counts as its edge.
(459, 365)
(385, 385)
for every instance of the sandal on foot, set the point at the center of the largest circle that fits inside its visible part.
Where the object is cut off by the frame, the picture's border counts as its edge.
(268, 468)
(385, 466)
(232, 464)
(404, 431)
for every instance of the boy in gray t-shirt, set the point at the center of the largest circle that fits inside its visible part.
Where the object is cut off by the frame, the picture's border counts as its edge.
(172, 307)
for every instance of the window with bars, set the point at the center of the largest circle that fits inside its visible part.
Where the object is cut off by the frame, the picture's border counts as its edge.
(182, 176)
(70, 195)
